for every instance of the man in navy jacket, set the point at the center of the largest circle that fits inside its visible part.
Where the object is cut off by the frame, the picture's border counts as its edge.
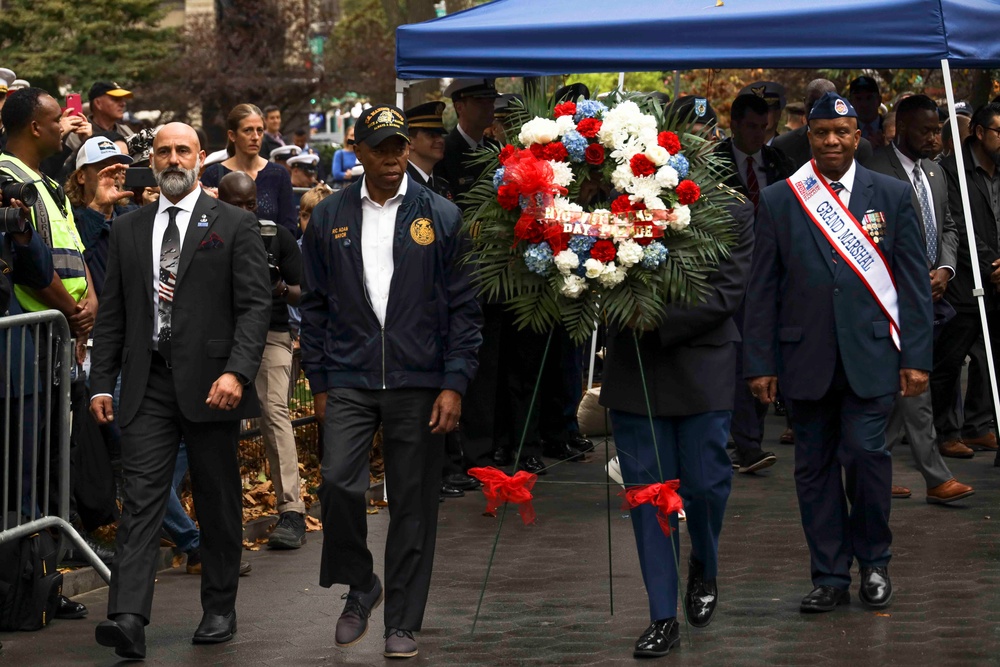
(390, 331)
(813, 326)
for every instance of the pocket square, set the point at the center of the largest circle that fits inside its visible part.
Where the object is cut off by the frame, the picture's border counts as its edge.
(211, 242)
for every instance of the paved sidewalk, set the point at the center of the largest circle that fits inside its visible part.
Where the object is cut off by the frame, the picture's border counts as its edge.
(547, 602)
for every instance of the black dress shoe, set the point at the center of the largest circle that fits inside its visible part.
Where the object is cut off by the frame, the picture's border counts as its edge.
(701, 597)
(449, 491)
(215, 629)
(658, 639)
(824, 598)
(580, 443)
(502, 456)
(876, 588)
(68, 609)
(532, 464)
(125, 633)
(752, 460)
(460, 480)
(561, 451)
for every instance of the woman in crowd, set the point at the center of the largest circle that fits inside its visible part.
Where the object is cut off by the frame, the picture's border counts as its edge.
(344, 159)
(245, 125)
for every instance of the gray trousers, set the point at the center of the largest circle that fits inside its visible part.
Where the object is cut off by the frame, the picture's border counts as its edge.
(915, 415)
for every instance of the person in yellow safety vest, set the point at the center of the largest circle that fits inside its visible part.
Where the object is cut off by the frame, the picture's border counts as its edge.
(31, 119)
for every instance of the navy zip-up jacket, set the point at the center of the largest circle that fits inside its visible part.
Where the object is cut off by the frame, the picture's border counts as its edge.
(433, 321)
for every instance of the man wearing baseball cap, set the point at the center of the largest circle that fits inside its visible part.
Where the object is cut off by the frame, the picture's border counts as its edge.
(390, 331)
(107, 108)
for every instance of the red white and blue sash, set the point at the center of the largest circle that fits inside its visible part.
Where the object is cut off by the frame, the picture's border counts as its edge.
(849, 239)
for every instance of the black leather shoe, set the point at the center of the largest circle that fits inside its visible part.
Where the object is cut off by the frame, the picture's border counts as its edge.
(502, 456)
(701, 597)
(753, 460)
(125, 633)
(658, 639)
(449, 491)
(561, 451)
(74, 556)
(460, 480)
(67, 609)
(876, 588)
(532, 464)
(215, 629)
(824, 598)
(580, 443)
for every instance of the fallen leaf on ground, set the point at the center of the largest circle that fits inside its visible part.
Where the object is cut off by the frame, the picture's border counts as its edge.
(313, 524)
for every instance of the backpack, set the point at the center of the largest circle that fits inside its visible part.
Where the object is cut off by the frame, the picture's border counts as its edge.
(30, 584)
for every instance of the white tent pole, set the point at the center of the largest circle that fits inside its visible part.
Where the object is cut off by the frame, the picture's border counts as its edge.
(593, 352)
(400, 87)
(974, 256)
(621, 81)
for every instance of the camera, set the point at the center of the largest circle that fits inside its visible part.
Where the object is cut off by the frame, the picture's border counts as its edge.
(268, 230)
(12, 219)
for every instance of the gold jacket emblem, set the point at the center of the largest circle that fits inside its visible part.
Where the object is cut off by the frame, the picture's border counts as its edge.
(422, 231)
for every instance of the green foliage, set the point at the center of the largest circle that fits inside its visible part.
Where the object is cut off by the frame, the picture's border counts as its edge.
(59, 42)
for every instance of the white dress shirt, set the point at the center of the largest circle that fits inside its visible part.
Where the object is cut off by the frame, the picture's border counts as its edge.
(378, 224)
(424, 175)
(847, 180)
(469, 140)
(186, 206)
(758, 167)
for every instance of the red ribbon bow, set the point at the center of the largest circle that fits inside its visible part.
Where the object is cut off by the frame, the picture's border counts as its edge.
(499, 487)
(663, 497)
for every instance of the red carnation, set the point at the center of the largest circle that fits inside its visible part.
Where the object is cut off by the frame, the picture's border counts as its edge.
(687, 192)
(528, 229)
(508, 197)
(565, 109)
(506, 152)
(603, 251)
(594, 154)
(621, 205)
(557, 240)
(669, 141)
(588, 127)
(554, 151)
(642, 165)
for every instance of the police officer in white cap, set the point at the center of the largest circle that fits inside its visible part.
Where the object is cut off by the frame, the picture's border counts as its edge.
(303, 169)
(281, 154)
(7, 77)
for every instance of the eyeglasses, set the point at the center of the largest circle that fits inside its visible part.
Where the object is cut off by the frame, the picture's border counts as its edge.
(993, 129)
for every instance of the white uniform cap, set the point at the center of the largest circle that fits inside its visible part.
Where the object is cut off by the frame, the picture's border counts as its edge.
(18, 85)
(310, 159)
(284, 152)
(216, 157)
(7, 78)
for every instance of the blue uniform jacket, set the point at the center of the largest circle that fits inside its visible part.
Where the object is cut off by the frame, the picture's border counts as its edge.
(433, 321)
(802, 310)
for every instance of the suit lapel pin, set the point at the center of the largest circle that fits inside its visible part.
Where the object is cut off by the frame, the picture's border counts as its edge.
(203, 222)
(930, 173)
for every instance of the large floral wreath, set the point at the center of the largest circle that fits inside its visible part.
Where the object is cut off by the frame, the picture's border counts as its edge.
(598, 212)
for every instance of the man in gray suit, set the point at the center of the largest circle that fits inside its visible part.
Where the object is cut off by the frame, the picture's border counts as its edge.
(907, 158)
(184, 316)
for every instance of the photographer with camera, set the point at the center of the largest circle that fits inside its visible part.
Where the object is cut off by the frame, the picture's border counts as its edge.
(285, 263)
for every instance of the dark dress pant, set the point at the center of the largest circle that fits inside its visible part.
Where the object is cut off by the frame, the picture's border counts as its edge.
(486, 406)
(413, 458)
(841, 458)
(149, 451)
(748, 413)
(693, 450)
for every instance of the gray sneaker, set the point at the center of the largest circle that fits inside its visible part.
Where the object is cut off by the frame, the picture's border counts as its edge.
(289, 532)
(353, 622)
(399, 643)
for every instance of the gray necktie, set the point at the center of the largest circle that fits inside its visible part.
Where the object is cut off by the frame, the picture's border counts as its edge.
(170, 253)
(930, 229)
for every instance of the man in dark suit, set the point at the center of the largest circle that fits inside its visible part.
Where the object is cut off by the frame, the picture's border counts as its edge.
(689, 363)
(473, 101)
(981, 153)
(839, 352)
(755, 165)
(184, 316)
(907, 158)
(795, 144)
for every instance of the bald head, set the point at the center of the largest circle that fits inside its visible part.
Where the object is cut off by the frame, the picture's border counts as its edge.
(238, 189)
(816, 89)
(175, 131)
(176, 160)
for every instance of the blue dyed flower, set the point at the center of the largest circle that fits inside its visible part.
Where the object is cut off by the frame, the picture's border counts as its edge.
(654, 255)
(680, 165)
(581, 245)
(589, 109)
(538, 258)
(575, 145)
(498, 178)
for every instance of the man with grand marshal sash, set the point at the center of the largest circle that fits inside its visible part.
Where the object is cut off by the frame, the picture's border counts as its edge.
(838, 313)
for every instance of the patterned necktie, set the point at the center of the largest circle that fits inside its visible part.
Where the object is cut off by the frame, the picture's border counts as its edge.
(753, 185)
(170, 253)
(930, 229)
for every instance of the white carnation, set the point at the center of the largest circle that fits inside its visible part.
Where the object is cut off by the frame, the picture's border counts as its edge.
(681, 218)
(646, 190)
(567, 260)
(629, 253)
(667, 176)
(658, 155)
(538, 131)
(594, 267)
(622, 177)
(563, 204)
(573, 286)
(611, 275)
(562, 173)
(565, 124)
(625, 151)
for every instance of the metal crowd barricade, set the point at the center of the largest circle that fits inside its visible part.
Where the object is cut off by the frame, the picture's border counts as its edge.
(37, 348)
